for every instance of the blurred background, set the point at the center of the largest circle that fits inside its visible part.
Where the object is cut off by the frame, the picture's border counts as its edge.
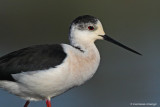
(122, 77)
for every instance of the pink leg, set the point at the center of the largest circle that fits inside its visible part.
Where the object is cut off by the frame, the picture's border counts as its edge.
(26, 104)
(48, 102)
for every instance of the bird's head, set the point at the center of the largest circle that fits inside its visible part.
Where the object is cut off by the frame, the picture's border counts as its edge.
(86, 29)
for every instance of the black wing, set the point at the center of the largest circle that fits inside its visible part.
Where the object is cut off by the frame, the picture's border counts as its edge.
(33, 58)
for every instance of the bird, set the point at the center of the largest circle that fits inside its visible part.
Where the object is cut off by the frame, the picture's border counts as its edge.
(42, 72)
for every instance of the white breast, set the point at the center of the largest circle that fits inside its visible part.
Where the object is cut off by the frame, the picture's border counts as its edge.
(82, 65)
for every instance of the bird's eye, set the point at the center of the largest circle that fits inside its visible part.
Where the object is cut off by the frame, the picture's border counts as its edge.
(90, 27)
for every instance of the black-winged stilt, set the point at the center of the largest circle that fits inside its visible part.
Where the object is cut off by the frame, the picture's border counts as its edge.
(45, 71)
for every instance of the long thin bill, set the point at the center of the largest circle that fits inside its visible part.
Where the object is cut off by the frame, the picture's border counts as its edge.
(119, 44)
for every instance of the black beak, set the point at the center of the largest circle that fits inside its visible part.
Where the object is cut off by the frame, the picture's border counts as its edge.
(119, 44)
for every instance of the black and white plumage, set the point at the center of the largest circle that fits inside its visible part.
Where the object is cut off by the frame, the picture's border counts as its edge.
(45, 71)
(30, 59)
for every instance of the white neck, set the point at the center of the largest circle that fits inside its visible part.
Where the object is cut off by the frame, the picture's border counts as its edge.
(82, 40)
(88, 61)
